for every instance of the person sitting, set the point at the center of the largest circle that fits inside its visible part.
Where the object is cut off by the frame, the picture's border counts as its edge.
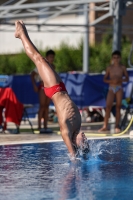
(69, 117)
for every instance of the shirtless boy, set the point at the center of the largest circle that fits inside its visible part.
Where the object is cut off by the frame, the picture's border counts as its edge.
(68, 114)
(115, 75)
(44, 101)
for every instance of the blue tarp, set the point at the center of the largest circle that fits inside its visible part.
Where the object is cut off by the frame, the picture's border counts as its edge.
(84, 90)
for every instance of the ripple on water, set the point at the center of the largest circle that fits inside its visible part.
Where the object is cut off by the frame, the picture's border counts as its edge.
(44, 171)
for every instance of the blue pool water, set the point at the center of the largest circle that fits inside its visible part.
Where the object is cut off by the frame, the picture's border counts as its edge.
(44, 172)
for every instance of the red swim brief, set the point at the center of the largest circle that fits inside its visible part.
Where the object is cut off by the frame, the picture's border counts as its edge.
(56, 88)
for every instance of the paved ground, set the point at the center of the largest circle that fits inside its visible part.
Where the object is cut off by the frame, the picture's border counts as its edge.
(26, 135)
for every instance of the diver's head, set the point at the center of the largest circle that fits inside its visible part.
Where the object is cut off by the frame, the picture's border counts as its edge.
(82, 143)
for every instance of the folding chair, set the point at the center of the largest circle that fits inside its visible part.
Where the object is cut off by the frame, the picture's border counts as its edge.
(30, 111)
(25, 116)
(6, 82)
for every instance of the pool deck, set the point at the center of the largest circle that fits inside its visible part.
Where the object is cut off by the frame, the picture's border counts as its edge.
(26, 136)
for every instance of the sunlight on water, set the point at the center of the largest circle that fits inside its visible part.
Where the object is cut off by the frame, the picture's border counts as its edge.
(44, 171)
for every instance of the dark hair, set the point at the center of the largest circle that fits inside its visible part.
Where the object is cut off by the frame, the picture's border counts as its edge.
(50, 52)
(116, 53)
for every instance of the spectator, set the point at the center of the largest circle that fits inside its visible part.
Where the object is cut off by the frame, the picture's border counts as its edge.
(115, 75)
(44, 101)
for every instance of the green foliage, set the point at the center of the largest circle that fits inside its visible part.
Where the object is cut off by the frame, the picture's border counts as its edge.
(68, 58)
(15, 64)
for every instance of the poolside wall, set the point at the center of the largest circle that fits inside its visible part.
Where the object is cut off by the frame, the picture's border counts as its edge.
(84, 89)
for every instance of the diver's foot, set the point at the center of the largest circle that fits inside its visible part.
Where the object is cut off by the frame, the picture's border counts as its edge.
(20, 29)
(103, 129)
(117, 130)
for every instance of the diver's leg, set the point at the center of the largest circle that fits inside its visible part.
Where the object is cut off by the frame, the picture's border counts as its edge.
(47, 74)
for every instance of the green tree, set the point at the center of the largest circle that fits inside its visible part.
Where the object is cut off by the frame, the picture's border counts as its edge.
(69, 58)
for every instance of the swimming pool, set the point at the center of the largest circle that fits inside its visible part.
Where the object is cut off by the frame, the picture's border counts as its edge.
(44, 172)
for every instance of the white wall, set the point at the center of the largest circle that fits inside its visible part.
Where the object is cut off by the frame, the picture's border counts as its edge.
(9, 44)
